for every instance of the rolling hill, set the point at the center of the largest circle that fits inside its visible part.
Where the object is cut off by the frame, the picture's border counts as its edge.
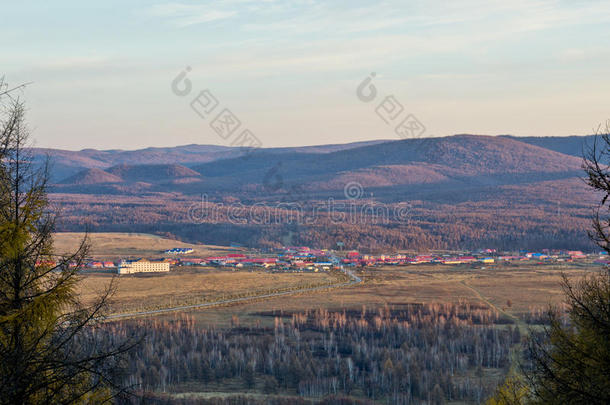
(459, 159)
(569, 145)
(92, 176)
(462, 191)
(67, 163)
(152, 173)
(453, 161)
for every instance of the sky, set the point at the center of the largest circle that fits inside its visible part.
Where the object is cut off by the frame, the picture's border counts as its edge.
(102, 73)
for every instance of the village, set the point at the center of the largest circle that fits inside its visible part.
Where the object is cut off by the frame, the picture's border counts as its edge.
(305, 259)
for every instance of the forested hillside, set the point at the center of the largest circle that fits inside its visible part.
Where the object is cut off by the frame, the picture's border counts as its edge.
(409, 194)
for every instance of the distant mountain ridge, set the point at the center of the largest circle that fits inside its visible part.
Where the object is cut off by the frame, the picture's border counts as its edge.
(453, 161)
(570, 145)
(152, 172)
(67, 163)
(456, 192)
(92, 176)
(453, 156)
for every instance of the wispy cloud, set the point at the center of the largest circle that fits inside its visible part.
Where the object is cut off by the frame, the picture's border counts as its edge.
(184, 15)
(331, 18)
(464, 63)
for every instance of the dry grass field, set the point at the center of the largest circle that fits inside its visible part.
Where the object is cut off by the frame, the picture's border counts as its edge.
(525, 286)
(187, 286)
(513, 289)
(130, 245)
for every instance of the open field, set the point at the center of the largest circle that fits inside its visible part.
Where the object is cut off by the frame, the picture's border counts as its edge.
(130, 245)
(186, 286)
(526, 286)
(512, 289)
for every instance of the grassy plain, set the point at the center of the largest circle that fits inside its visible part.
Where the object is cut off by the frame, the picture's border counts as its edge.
(528, 287)
(187, 286)
(515, 289)
(110, 245)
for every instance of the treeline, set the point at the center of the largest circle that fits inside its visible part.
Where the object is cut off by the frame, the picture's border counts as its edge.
(367, 238)
(430, 353)
(424, 225)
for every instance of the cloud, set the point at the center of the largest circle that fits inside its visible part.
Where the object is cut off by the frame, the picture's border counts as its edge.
(332, 18)
(81, 62)
(184, 15)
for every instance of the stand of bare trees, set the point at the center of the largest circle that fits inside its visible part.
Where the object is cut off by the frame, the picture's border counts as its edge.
(430, 353)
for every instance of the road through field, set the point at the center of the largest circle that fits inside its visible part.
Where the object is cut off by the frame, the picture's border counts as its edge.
(354, 280)
(492, 305)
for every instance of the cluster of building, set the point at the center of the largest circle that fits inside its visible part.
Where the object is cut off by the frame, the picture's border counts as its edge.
(305, 258)
(302, 258)
(287, 259)
(101, 265)
(357, 259)
(90, 264)
(484, 256)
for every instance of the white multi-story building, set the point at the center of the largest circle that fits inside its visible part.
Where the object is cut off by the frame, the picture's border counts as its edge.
(142, 266)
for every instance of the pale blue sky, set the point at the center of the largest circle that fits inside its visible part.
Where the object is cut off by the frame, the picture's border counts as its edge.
(289, 69)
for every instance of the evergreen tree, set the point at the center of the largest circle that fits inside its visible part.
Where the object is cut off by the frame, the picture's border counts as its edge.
(48, 347)
(571, 358)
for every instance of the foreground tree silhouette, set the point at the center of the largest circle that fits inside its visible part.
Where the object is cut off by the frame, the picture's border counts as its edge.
(569, 361)
(48, 347)
(571, 358)
(597, 168)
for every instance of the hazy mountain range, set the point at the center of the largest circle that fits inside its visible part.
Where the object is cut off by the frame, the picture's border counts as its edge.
(456, 160)
(498, 190)
(67, 163)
